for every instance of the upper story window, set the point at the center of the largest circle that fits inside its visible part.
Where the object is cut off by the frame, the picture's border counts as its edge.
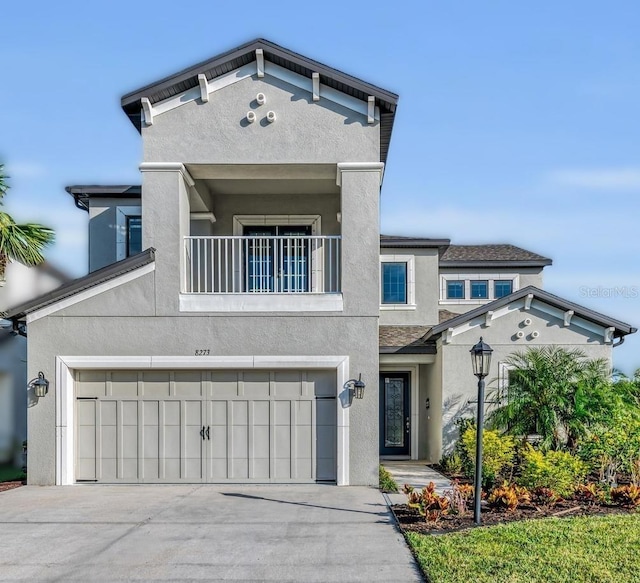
(480, 290)
(394, 283)
(134, 235)
(467, 288)
(397, 282)
(455, 290)
(502, 288)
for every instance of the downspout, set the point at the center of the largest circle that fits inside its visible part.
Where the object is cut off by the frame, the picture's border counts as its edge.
(619, 343)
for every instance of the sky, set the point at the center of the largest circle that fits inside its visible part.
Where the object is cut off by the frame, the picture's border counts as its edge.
(517, 121)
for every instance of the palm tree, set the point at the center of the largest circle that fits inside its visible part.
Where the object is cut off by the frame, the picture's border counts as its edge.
(553, 392)
(22, 243)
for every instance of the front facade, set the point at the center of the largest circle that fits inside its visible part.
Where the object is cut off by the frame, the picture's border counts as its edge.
(234, 294)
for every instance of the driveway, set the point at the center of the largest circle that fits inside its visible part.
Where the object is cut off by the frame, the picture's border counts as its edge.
(200, 533)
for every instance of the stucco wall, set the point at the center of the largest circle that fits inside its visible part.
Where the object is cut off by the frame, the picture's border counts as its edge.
(217, 132)
(459, 384)
(426, 290)
(103, 229)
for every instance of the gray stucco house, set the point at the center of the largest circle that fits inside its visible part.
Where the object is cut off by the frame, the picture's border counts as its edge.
(233, 295)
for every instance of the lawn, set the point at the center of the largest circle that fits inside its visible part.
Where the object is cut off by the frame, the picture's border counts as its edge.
(598, 549)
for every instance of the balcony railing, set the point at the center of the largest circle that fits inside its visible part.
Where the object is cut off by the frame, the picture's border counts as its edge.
(271, 264)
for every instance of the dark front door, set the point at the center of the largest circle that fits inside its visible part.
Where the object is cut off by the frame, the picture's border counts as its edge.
(395, 414)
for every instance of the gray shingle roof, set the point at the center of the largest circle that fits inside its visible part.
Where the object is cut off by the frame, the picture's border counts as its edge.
(244, 54)
(492, 255)
(407, 339)
(398, 241)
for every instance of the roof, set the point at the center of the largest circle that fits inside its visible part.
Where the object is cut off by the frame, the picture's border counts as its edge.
(621, 328)
(81, 192)
(273, 53)
(491, 256)
(405, 339)
(444, 315)
(397, 241)
(82, 283)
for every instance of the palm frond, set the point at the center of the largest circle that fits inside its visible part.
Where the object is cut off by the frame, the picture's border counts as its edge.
(23, 243)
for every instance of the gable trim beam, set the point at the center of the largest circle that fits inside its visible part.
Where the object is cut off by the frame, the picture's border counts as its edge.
(260, 62)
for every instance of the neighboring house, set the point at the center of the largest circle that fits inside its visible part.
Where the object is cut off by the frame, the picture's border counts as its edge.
(20, 284)
(234, 294)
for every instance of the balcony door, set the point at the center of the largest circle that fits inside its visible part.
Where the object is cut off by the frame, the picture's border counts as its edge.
(278, 258)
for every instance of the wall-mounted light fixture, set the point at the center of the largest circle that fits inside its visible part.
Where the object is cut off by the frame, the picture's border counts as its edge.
(356, 387)
(39, 385)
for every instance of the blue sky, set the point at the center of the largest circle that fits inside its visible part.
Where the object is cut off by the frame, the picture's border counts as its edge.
(518, 121)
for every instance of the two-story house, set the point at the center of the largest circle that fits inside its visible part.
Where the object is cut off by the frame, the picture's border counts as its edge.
(240, 297)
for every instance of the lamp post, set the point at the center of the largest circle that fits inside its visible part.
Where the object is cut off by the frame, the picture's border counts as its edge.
(481, 360)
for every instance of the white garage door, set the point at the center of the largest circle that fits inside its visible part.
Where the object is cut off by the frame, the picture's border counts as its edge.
(205, 426)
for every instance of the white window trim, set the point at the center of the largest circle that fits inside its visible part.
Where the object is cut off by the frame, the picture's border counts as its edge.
(491, 278)
(503, 377)
(410, 260)
(314, 221)
(65, 394)
(122, 213)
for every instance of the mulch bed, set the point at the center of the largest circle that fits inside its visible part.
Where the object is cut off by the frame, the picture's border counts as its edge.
(410, 519)
(9, 485)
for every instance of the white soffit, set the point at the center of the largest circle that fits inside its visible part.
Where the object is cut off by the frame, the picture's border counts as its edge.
(528, 304)
(313, 86)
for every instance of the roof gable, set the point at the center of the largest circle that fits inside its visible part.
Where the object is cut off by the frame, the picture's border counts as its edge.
(263, 53)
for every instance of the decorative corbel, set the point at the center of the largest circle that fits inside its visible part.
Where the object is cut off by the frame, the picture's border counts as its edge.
(567, 317)
(447, 336)
(147, 110)
(315, 79)
(488, 317)
(260, 62)
(204, 87)
(527, 301)
(371, 109)
(608, 335)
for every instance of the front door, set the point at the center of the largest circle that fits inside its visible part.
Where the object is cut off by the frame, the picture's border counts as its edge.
(395, 414)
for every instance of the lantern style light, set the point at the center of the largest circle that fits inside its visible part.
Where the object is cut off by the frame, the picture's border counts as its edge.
(356, 387)
(481, 359)
(39, 385)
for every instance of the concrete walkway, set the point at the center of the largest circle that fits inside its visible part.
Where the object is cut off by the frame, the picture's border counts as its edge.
(416, 473)
(198, 533)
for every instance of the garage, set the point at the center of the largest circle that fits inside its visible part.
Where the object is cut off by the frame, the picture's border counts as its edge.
(199, 426)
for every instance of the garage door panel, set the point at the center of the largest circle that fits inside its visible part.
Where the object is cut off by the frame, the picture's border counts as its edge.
(124, 383)
(262, 426)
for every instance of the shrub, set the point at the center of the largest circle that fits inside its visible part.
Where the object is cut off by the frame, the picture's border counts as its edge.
(542, 496)
(498, 454)
(386, 481)
(452, 464)
(459, 495)
(627, 496)
(508, 496)
(590, 494)
(556, 470)
(430, 504)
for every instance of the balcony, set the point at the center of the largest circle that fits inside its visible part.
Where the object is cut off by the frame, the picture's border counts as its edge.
(256, 273)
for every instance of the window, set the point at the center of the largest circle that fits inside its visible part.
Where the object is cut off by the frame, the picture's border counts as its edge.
(480, 290)
(502, 288)
(134, 235)
(394, 283)
(455, 290)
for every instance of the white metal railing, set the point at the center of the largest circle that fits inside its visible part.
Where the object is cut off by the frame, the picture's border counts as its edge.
(262, 264)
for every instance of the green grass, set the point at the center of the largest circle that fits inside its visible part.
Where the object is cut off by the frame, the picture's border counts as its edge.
(600, 549)
(11, 474)
(387, 483)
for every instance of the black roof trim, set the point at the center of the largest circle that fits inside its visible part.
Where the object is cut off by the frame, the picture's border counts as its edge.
(497, 263)
(244, 54)
(424, 349)
(81, 192)
(622, 328)
(82, 283)
(393, 241)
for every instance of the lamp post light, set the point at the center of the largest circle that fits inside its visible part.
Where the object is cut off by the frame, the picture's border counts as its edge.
(481, 360)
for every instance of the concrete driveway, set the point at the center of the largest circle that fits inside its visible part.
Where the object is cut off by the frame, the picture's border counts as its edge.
(200, 533)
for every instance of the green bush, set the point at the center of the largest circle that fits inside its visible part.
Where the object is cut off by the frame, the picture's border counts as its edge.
(387, 483)
(452, 464)
(556, 470)
(497, 458)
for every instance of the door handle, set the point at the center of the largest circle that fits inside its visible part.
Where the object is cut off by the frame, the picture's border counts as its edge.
(209, 438)
(202, 432)
(407, 425)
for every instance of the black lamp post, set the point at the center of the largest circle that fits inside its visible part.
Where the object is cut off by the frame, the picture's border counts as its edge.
(481, 360)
